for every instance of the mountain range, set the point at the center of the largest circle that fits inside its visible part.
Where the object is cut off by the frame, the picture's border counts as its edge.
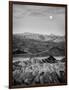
(38, 45)
(41, 37)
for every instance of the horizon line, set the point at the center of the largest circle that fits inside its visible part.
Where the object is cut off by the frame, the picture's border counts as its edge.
(38, 33)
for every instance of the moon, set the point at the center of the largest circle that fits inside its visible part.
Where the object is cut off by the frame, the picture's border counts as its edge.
(51, 17)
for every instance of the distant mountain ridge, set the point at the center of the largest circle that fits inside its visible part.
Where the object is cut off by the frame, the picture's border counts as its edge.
(41, 37)
(38, 45)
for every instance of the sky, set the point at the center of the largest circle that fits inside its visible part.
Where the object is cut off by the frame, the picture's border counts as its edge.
(38, 19)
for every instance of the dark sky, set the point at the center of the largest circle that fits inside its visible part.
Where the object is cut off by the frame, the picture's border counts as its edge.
(38, 19)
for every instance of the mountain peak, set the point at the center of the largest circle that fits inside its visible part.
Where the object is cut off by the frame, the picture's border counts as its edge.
(52, 35)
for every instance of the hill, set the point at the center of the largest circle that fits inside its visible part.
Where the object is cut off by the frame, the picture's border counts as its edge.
(27, 46)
